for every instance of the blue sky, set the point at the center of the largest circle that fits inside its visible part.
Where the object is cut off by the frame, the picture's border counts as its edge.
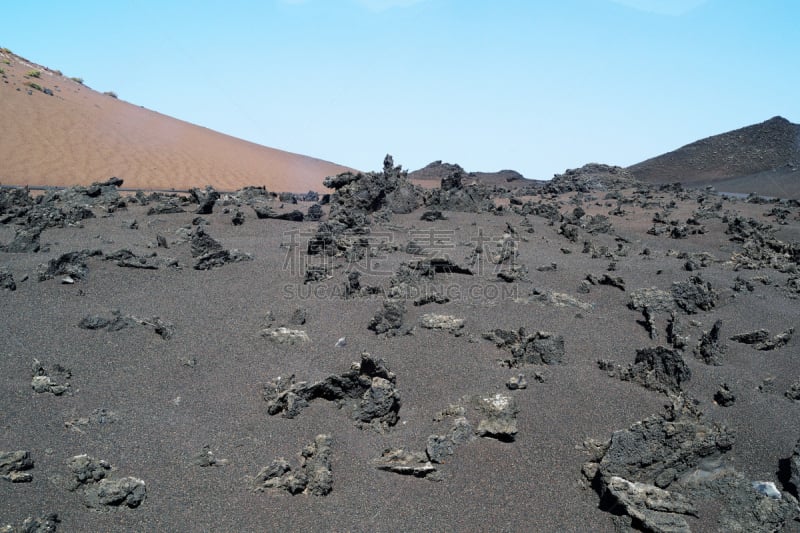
(534, 86)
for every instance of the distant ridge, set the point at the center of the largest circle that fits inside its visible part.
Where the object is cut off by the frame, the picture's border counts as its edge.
(57, 132)
(763, 158)
(438, 170)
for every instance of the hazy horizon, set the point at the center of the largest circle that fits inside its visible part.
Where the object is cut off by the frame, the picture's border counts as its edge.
(527, 86)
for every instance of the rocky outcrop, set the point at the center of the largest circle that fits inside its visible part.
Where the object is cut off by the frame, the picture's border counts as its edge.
(655, 509)
(441, 322)
(72, 265)
(54, 379)
(264, 212)
(759, 246)
(210, 253)
(659, 369)
(26, 240)
(55, 209)
(47, 523)
(7, 280)
(128, 259)
(90, 477)
(312, 476)
(203, 243)
(98, 417)
(15, 466)
(694, 295)
(119, 321)
(205, 199)
(358, 198)
(591, 177)
(368, 193)
(651, 298)
(454, 195)
(314, 212)
(539, 348)
(389, 319)
(760, 339)
(283, 335)
(499, 416)
(724, 396)
(660, 469)
(405, 462)
(710, 349)
(109, 493)
(166, 204)
(366, 391)
(221, 258)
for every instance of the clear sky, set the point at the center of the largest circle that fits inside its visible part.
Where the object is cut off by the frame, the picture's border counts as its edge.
(531, 85)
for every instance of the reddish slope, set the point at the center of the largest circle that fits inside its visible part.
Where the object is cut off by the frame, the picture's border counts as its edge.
(77, 136)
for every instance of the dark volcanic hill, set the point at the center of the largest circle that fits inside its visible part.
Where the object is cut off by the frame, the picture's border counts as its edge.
(763, 158)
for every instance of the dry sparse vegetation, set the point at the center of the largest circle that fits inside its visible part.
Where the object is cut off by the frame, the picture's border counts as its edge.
(34, 73)
(112, 94)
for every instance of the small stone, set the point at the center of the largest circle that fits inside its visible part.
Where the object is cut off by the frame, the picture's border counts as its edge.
(127, 491)
(724, 397)
(500, 417)
(767, 488)
(284, 335)
(517, 382)
(404, 462)
(443, 322)
(14, 466)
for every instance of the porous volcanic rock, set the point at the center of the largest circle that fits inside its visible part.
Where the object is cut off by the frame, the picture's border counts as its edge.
(7, 280)
(367, 391)
(760, 339)
(26, 240)
(46, 523)
(359, 197)
(108, 493)
(283, 335)
(499, 416)
(710, 349)
(659, 369)
(14, 466)
(591, 177)
(54, 380)
(443, 322)
(694, 295)
(119, 321)
(404, 462)
(453, 195)
(312, 476)
(71, 264)
(128, 259)
(390, 318)
(205, 199)
(90, 477)
(220, 258)
(539, 348)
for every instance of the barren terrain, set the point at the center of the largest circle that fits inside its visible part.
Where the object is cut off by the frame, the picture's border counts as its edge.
(456, 365)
